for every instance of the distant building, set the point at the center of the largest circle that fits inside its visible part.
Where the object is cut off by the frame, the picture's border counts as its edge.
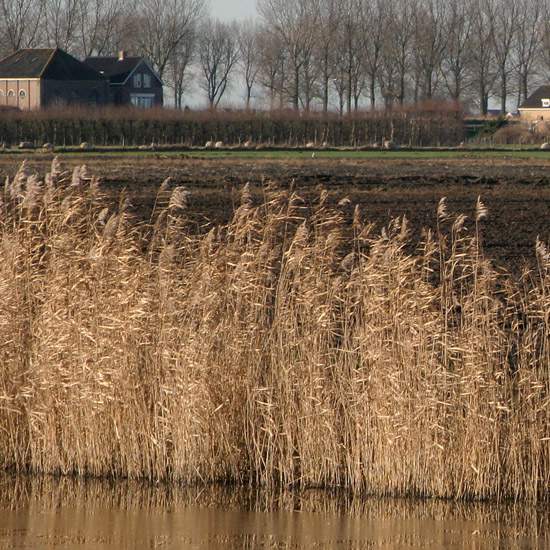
(536, 108)
(131, 79)
(32, 78)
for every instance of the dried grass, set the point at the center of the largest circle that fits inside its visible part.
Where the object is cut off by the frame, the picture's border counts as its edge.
(293, 346)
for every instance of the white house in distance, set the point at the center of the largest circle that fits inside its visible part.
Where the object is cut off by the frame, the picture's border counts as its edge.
(535, 110)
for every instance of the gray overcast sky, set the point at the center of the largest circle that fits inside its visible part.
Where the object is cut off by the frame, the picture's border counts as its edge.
(227, 10)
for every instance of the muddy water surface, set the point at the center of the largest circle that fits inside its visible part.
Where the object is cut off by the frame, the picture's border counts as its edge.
(65, 513)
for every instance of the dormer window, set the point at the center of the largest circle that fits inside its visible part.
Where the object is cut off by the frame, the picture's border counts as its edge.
(137, 81)
(546, 102)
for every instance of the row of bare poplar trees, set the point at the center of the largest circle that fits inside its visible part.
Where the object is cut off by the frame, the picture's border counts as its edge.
(329, 54)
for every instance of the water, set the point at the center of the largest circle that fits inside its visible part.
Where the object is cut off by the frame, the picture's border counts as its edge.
(91, 514)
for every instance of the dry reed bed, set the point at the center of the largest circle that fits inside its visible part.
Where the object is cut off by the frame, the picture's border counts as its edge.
(291, 346)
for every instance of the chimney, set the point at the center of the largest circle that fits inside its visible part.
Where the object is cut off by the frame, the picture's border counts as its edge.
(121, 55)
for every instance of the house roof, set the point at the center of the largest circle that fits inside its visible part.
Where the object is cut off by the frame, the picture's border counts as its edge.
(45, 63)
(116, 69)
(534, 101)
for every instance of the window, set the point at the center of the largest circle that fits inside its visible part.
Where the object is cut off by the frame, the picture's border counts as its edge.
(56, 99)
(546, 102)
(143, 101)
(94, 98)
(11, 93)
(137, 81)
(147, 81)
(1, 93)
(22, 94)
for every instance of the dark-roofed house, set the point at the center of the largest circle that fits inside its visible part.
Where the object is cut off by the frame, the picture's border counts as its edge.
(32, 78)
(536, 108)
(132, 81)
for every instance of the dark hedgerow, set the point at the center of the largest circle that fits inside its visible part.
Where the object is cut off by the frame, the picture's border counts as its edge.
(428, 124)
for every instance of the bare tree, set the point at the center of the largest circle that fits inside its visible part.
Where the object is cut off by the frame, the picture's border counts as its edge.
(484, 70)
(331, 14)
(100, 31)
(430, 42)
(501, 17)
(544, 51)
(62, 20)
(295, 24)
(159, 27)
(272, 66)
(21, 21)
(248, 40)
(457, 56)
(348, 76)
(376, 22)
(528, 41)
(218, 55)
(397, 55)
(178, 68)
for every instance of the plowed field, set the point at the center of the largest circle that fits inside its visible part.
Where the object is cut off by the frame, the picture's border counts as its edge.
(515, 190)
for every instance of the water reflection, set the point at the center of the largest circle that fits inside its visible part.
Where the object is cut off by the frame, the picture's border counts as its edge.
(47, 512)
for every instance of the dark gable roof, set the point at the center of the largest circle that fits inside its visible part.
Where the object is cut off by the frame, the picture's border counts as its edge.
(46, 63)
(115, 69)
(25, 63)
(534, 101)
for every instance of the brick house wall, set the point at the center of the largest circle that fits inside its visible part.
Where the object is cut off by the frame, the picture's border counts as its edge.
(21, 93)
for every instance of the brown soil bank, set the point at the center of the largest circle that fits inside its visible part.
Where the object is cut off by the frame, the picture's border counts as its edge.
(515, 190)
